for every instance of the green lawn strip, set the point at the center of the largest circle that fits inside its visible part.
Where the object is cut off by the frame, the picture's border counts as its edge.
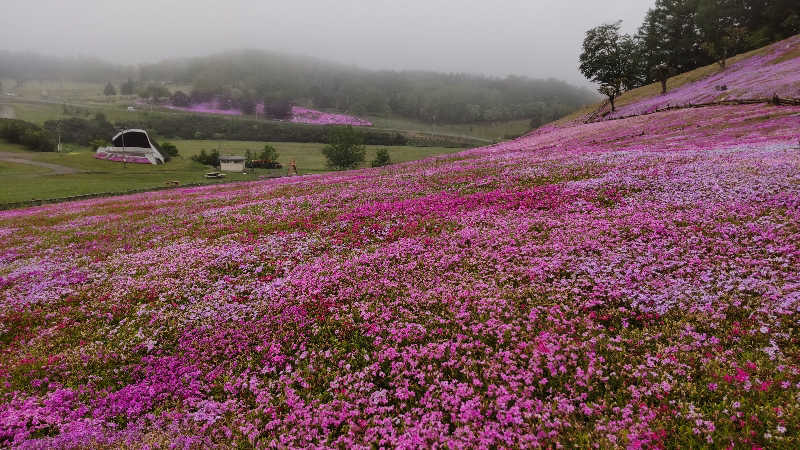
(25, 183)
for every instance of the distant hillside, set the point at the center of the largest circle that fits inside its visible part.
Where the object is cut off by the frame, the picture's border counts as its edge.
(25, 66)
(427, 96)
(252, 76)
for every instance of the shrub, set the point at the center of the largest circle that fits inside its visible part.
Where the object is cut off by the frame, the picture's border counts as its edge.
(263, 164)
(94, 144)
(281, 109)
(180, 98)
(382, 158)
(208, 159)
(345, 149)
(168, 150)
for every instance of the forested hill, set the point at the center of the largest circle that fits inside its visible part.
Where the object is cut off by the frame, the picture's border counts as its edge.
(427, 96)
(26, 66)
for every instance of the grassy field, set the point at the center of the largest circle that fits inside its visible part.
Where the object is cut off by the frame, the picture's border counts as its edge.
(23, 183)
(308, 156)
(493, 131)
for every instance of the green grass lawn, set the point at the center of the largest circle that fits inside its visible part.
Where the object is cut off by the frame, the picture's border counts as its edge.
(483, 130)
(23, 183)
(308, 156)
(10, 170)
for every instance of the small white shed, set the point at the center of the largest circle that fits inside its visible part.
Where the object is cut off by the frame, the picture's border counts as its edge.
(231, 163)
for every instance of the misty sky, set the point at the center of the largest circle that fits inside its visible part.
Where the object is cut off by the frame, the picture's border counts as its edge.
(537, 38)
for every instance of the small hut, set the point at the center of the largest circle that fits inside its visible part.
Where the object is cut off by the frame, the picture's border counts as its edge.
(232, 163)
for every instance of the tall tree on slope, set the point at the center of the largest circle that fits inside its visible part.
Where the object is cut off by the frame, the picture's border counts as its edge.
(610, 59)
(668, 41)
(721, 25)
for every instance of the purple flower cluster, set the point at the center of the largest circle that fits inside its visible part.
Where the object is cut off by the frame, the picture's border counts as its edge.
(120, 158)
(305, 115)
(299, 114)
(630, 283)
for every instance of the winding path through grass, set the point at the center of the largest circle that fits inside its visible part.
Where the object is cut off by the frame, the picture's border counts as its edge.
(19, 158)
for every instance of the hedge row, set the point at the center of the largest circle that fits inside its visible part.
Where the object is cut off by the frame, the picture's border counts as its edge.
(209, 127)
(26, 134)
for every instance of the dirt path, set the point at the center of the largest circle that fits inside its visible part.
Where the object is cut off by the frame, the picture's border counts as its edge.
(19, 158)
(7, 112)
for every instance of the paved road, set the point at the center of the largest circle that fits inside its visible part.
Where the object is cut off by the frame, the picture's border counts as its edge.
(20, 158)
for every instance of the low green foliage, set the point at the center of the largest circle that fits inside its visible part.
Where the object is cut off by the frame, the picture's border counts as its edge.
(345, 149)
(382, 158)
(207, 159)
(168, 150)
(29, 135)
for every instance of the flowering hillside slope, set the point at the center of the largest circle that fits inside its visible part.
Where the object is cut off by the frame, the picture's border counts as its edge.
(775, 71)
(623, 283)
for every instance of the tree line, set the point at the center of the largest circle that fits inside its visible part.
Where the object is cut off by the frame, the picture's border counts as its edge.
(28, 135)
(241, 79)
(681, 35)
(26, 66)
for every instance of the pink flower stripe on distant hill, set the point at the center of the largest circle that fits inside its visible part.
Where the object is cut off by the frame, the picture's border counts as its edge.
(299, 114)
(305, 115)
(630, 283)
(755, 77)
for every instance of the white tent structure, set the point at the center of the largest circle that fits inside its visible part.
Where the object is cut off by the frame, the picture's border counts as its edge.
(133, 146)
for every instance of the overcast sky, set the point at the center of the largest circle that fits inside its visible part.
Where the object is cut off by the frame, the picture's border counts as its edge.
(537, 38)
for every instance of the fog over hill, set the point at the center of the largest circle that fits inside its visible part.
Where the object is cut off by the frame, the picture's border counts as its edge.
(539, 39)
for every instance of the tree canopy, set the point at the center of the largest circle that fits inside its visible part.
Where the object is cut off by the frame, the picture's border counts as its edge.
(609, 59)
(680, 35)
(345, 149)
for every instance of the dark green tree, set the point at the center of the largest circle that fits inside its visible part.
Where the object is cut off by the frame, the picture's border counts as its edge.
(109, 89)
(345, 149)
(154, 92)
(247, 105)
(179, 98)
(280, 109)
(611, 60)
(168, 150)
(127, 88)
(382, 158)
(721, 27)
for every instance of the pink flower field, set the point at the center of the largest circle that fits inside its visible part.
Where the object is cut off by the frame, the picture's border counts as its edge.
(629, 283)
(299, 114)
